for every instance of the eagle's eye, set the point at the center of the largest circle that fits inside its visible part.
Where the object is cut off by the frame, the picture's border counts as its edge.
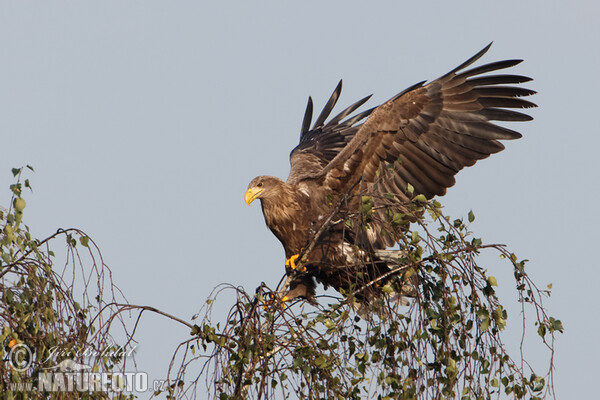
(259, 184)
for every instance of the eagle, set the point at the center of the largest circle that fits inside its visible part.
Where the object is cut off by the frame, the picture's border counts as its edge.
(412, 145)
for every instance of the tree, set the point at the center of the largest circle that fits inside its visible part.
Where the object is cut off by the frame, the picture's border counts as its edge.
(50, 314)
(445, 341)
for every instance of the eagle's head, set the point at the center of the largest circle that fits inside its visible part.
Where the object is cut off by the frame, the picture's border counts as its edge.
(263, 187)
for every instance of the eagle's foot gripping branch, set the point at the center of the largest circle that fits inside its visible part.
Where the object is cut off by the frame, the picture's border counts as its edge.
(267, 304)
(291, 262)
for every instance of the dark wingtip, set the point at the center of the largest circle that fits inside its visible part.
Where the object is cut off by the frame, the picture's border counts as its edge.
(307, 117)
(471, 60)
(329, 106)
(349, 110)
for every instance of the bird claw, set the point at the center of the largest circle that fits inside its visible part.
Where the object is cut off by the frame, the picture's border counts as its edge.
(269, 303)
(291, 262)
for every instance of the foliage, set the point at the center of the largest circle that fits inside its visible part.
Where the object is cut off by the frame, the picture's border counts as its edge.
(50, 313)
(445, 342)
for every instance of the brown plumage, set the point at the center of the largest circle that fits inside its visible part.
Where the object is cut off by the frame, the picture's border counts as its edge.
(421, 137)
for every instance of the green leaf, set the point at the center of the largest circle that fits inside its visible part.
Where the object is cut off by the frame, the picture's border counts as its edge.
(320, 361)
(16, 171)
(420, 197)
(195, 330)
(8, 296)
(415, 237)
(542, 330)
(555, 325)
(471, 216)
(6, 258)
(397, 218)
(361, 367)
(492, 281)
(485, 324)
(84, 240)
(387, 289)
(410, 188)
(451, 369)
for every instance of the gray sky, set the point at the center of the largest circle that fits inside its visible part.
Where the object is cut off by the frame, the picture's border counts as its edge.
(145, 121)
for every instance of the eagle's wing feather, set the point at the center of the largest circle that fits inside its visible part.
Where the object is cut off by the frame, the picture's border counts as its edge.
(321, 143)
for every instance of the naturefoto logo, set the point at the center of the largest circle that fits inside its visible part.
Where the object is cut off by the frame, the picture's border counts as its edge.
(69, 366)
(69, 375)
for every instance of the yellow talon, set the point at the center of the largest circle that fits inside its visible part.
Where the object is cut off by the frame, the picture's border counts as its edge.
(291, 262)
(268, 303)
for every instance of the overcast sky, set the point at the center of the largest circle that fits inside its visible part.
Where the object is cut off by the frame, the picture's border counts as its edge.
(145, 121)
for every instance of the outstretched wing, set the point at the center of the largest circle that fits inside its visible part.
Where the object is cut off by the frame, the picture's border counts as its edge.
(428, 133)
(319, 145)
(434, 130)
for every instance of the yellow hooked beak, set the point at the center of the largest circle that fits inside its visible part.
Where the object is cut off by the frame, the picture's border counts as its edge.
(252, 194)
